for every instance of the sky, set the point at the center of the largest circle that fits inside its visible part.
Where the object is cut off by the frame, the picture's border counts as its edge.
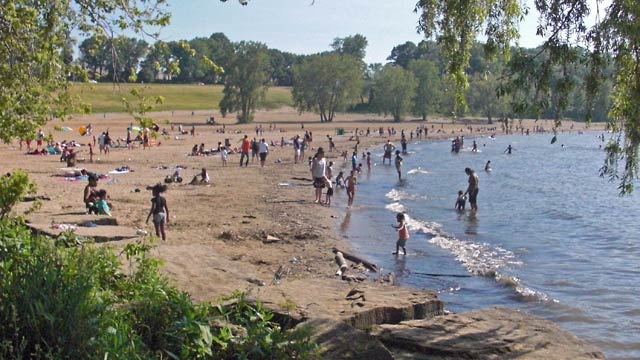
(299, 27)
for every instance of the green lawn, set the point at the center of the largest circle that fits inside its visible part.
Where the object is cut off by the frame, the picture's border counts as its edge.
(108, 97)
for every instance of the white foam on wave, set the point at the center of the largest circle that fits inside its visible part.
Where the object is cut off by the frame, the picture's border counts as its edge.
(396, 207)
(398, 195)
(418, 171)
(480, 259)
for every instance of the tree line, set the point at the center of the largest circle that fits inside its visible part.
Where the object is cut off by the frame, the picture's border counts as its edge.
(415, 81)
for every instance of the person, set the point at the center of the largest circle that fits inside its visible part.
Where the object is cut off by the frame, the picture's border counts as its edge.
(368, 160)
(351, 188)
(340, 179)
(475, 147)
(403, 234)
(204, 176)
(472, 189)
(509, 149)
(39, 139)
(244, 153)
(223, 155)
(255, 148)
(398, 162)
(318, 172)
(159, 210)
(264, 150)
(91, 194)
(403, 142)
(388, 148)
(354, 161)
(327, 200)
(194, 150)
(329, 171)
(101, 206)
(487, 167)
(296, 149)
(461, 201)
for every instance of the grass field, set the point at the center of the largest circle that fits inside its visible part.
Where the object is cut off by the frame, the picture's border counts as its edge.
(107, 97)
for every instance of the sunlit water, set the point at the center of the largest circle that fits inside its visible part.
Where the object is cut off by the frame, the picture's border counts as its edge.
(551, 237)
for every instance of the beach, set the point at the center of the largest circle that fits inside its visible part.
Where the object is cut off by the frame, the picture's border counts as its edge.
(253, 229)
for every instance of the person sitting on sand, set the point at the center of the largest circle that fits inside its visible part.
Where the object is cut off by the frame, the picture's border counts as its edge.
(91, 194)
(101, 206)
(159, 210)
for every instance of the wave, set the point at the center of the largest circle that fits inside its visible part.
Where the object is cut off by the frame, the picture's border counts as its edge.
(418, 171)
(397, 195)
(480, 259)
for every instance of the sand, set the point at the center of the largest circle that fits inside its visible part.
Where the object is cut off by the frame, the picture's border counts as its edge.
(217, 233)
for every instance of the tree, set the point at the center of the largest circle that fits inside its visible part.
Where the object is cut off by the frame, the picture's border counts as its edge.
(428, 89)
(325, 83)
(402, 54)
(614, 38)
(246, 80)
(355, 46)
(393, 87)
(34, 71)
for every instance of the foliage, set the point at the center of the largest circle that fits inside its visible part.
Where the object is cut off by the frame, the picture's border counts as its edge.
(73, 302)
(13, 188)
(246, 80)
(34, 56)
(428, 90)
(144, 105)
(355, 46)
(394, 88)
(326, 83)
(568, 42)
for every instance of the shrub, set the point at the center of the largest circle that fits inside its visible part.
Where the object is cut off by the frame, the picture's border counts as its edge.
(66, 300)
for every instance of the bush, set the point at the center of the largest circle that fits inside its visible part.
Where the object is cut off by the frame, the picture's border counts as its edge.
(71, 301)
(13, 187)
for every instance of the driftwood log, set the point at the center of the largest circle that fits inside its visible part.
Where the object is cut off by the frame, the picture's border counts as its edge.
(342, 263)
(369, 265)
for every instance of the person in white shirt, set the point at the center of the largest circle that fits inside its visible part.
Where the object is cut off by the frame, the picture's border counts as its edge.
(264, 150)
(318, 172)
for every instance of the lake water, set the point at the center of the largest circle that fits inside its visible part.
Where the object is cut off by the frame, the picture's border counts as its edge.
(550, 237)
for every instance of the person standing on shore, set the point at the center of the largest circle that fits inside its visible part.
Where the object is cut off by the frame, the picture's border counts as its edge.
(473, 188)
(403, 234)
(264, 150)
(351, 188)
(318, 172)
(159, 210)
(244, 151)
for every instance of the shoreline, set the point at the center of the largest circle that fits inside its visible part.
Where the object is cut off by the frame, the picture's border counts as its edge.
(221, 237)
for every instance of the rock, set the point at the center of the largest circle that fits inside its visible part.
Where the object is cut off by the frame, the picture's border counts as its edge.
(338, 340)
(270, 239)
(495, 333)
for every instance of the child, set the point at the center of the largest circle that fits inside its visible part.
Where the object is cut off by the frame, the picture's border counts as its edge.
(354, 160)
(101, 206)
(327, 200)
(223, 155)
(351, 188)
(204, 176)
(399, 164)
(461, 201)
(159, 210)
(340, 179)
(403, 234)
(359, 168)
